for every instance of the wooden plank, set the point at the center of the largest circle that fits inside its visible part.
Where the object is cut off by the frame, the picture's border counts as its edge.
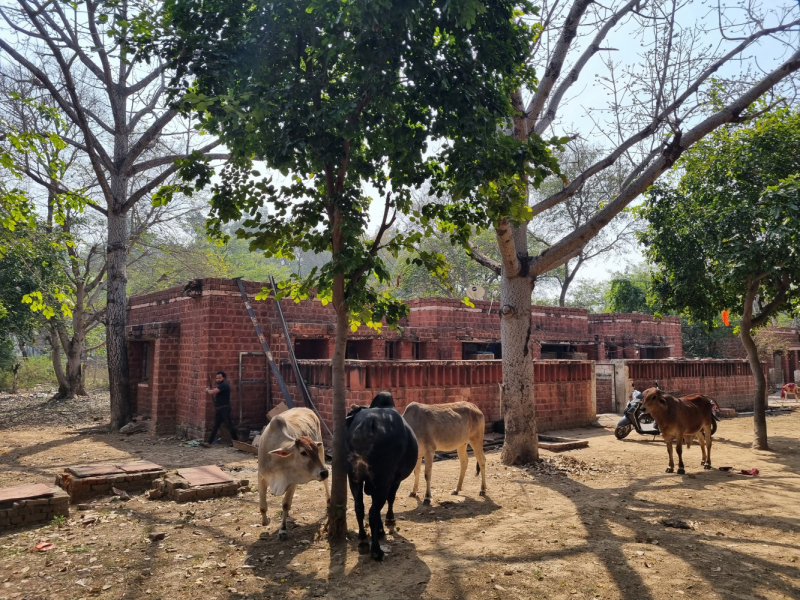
(245, 447)
(276, 411)
(206, 475)
(94, 470)
(140, 466)
(24, 492)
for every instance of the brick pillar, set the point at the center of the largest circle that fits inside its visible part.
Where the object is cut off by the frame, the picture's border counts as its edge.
(377, 349)
(630, 352)
(601, 351)
(404, 350)
(536, 350)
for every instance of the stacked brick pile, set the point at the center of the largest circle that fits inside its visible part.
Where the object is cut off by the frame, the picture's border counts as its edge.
(82, 482)
(28, 504)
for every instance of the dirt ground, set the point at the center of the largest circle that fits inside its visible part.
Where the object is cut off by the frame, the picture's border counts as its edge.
(582, 524)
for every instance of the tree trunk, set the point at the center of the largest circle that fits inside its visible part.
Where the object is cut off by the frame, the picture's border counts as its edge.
(337, 511)
(15, 372)
(760, 399)
(74, 372)
(116, 300)
(55, 356)
(521, 443)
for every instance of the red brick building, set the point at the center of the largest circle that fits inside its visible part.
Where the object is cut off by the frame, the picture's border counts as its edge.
(780, 346)
(445, 350)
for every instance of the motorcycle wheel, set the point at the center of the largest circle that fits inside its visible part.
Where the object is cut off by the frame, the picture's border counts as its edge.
(622, 432)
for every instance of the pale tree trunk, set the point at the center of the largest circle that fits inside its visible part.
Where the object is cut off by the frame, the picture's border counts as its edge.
(116, 301)
(521, 444)
(521, 441)
(337, 511)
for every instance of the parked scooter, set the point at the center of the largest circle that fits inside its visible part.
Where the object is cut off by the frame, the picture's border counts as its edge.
(644, 423)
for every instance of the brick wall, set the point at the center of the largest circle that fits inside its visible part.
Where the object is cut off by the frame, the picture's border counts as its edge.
(563, 390)
(197, 330)
(729, 382)
(559, 319)
(638, 329)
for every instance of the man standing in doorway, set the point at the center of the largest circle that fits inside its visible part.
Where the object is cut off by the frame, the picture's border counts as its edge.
(222, 405)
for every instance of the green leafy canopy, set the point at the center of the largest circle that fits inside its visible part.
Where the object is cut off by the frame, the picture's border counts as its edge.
(731, 221)
(336, 94)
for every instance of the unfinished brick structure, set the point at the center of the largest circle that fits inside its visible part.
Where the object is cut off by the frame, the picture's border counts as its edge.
(31, 504)
(87, 481)
(781, 345)
(445, 351)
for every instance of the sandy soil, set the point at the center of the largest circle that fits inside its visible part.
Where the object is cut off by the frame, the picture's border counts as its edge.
(583, 524)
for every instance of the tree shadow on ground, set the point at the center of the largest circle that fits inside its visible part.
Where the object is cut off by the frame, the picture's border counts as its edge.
(283, 569)
(643, 519)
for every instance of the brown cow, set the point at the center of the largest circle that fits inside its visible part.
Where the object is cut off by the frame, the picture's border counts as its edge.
(680, 420)
(446, 427)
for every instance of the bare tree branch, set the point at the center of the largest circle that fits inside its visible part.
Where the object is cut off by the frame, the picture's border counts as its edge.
(482, 259)
(732, 113)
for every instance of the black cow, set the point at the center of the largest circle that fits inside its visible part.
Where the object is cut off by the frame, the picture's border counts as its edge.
(382, 400)
(381, 453)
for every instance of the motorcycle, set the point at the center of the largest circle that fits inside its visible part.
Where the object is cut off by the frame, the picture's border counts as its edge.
(644, 423)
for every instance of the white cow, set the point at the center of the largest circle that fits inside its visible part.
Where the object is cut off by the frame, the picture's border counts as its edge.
(290, 453)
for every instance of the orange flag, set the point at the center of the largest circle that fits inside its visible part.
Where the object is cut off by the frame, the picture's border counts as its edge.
(725, 314)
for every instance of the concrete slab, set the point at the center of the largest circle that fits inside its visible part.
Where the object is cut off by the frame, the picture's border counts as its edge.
(206, 475)
(94, 470)
(140, 466)
(24, 492)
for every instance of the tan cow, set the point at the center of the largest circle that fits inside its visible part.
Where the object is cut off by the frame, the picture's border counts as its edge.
(290, 453)
(446, 427)
(679, 420)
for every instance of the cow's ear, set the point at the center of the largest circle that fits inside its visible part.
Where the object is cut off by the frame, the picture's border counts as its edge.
(660, 396)
(282, 452)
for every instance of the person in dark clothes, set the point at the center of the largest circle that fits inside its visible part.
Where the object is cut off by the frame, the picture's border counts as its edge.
(222, 404)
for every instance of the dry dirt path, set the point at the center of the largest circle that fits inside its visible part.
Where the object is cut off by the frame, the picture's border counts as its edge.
(580, 525)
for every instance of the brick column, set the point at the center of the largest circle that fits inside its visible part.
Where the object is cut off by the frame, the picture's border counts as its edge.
(404, 350)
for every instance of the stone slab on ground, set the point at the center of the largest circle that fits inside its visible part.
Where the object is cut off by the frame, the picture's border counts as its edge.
(21, 492)
(205, 475)
(86, 481)
(93, 470)
(559, 444)
(38, 508)
(140, 466)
